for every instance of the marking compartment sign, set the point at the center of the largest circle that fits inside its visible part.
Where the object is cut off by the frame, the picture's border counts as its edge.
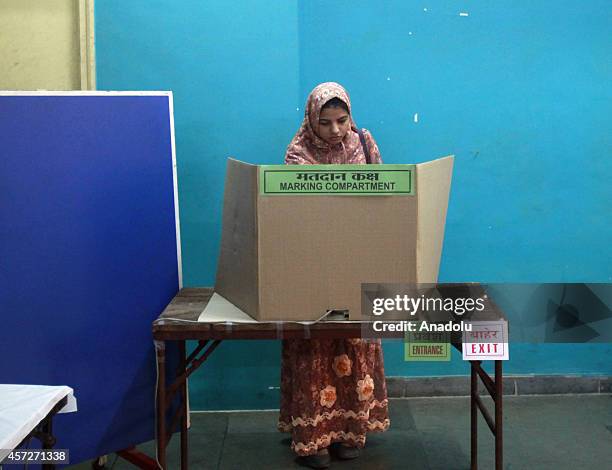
(348, 180)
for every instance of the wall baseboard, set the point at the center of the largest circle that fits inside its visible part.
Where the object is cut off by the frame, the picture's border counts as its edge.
(406, 387)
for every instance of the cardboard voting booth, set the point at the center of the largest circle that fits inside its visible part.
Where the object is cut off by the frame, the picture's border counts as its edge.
(299, 240)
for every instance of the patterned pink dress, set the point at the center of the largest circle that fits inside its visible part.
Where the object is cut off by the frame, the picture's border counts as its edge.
(331, 390)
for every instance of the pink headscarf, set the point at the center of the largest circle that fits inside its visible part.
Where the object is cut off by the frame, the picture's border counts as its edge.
(308, 148)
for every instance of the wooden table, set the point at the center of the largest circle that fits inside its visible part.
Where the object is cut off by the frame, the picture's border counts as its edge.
(178, 322)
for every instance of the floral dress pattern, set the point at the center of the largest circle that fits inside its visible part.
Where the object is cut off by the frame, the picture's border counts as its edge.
(331, 390)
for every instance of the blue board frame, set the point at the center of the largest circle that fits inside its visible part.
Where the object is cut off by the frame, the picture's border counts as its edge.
(90, 254)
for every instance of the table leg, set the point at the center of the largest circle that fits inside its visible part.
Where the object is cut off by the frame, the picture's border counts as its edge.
(499, 417)
(473, 416)
(136, 457)
(160, 349)
(185, 411)
(48, 441)
(165, 395)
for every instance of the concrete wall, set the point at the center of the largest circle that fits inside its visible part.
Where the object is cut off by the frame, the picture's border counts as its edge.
(45, 45)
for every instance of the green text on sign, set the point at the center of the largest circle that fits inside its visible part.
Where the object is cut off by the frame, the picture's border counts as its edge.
(427, 346)
(427, 352)
(349, 180)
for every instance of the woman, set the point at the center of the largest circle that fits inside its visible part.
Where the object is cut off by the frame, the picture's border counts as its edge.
(332, 391)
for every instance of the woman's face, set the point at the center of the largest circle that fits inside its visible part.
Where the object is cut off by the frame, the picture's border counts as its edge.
(334, 123)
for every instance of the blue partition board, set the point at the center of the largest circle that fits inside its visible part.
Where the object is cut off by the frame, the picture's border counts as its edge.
(88, 250)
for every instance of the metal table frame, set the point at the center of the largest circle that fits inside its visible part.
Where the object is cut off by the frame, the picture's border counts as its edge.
(177, 323)
(43, 431)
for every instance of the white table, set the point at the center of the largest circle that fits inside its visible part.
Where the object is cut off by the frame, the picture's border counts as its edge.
(24, 407)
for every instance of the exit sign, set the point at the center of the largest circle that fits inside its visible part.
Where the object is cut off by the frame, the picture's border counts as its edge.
(488, 340)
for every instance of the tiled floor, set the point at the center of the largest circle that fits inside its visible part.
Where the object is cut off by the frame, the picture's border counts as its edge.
(540, 432)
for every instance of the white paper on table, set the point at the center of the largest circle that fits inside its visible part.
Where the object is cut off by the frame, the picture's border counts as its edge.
(487, 341)
(221, 310)
(22, 407)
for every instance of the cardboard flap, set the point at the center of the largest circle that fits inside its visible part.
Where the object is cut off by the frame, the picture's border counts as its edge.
(433, 186)
(293, 257)
(237, 270)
